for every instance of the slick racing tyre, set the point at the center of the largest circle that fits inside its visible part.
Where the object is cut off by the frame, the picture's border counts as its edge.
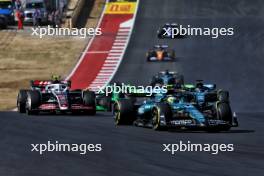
(224, 113)
(89, 100)
(21, 101)
(162, 109)
(151, 54)
(33, 102)
(124, 112)
(223, 96)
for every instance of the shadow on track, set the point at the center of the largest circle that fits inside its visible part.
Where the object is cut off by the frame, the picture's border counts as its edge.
(212, 132)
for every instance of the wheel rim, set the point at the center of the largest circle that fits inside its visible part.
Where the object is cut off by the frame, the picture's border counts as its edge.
(117, 113)
(28, 104)
(156, 119)
(18, 106)
(18, 102)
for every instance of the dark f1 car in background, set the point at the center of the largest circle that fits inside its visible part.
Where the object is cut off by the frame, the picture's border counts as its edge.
(205, 109)
(160, 53)
(169, 31)
(55, 96)
(172, 80)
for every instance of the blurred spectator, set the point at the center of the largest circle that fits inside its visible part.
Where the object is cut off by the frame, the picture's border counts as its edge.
(20, 19)
(35, 17)
(57, 18)
(61, 6)
(39, 16)
(51, 18)
(17, 4)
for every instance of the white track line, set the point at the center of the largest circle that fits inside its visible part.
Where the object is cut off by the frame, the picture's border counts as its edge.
(115, 54)
(124, 30)
(106, 71)
(111, 61)
(88, 46)
(113, 58)
(118, 47)
(110, 65)
(119, 44)
(117, 51)
(120, 40)
(108, 68)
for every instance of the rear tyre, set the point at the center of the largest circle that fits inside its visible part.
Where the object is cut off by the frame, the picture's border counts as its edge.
(161, 109)
(124, 112)
(33, 102)
(89, 100)
(21, 101)
(150, 54)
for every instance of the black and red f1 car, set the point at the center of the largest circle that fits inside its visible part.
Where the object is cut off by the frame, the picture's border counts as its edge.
(55, 96)
(160, 53)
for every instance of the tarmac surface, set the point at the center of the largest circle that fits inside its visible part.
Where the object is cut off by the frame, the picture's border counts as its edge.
(234, 63)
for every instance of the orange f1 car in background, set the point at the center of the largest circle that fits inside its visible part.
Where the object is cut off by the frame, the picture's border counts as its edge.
(160, 53)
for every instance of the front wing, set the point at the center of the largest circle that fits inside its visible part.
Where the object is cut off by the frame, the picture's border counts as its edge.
(155, 59)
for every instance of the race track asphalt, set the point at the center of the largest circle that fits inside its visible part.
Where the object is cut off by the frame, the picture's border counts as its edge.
(233, 63)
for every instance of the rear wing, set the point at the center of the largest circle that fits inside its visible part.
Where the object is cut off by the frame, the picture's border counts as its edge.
(161, 46)
(39, 84)
(42, 84)
(169, 72)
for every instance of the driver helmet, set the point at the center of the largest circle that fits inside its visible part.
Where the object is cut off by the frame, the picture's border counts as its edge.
(56, 78)
(171, 99)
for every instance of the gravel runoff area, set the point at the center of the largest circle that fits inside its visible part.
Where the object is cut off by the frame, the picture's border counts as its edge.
(24, 57)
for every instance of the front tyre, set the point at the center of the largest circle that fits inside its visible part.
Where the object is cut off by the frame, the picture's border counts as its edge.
(160, 114)
(33, 102)
(21, 101)
(124, 112)
(224, 112)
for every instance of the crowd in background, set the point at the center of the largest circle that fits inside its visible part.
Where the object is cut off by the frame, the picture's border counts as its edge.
(55, 9)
